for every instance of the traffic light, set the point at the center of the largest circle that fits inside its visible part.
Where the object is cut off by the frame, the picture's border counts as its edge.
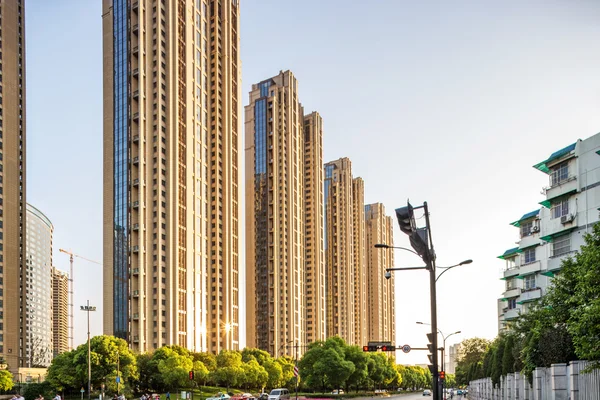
(419, 237)
(388, 348)
(191, 375)
(431, 351)
(369, 348)
(442, 375)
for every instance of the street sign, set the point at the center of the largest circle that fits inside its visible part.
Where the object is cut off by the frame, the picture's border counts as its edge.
(406, 348)
(118, 379)
(296, 371)
(379, 344)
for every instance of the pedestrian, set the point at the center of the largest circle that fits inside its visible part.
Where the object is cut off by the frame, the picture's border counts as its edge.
(168, 396)
(57, 397)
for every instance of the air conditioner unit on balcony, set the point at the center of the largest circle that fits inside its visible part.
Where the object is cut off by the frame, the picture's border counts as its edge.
(535, 229)
(565, 219)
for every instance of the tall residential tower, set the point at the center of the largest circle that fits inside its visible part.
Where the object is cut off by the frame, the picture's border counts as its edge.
(339, 250)
(60, 312)
(171, 165)
(314, 240)
(380, 291)
(38, 343)
(13, 220)
(275, 215)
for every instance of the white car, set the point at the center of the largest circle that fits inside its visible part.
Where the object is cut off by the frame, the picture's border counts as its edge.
(426, 392)
(219, 396)
(338, 391)
(279, 394)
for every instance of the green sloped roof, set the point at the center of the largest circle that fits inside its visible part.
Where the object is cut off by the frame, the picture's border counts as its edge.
(531, 214)
(510, 253)
(543, 166)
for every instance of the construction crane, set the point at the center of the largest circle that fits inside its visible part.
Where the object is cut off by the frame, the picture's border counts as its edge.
(71, 300)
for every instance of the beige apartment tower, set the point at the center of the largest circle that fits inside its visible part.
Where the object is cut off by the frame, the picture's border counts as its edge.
(13, 225)
(380, 291)
(339, 250)
(275, 213)
(316, 326)
(361, 329)
(60, 311)
(171, 173)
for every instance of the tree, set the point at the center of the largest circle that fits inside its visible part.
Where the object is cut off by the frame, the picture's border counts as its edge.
(6, 380)
(208, 359)
(450, 380)
(356, 356)
(61, 373)
(175, 368)
(472, 350)
(229, 368)
(201, 373)
(508, 358)
(274, 373)
(254, 375)
(333, 367)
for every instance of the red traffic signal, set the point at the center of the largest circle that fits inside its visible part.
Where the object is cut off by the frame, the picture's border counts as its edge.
(191, 375)
(388, 348)
(442, 375)
(369, 348)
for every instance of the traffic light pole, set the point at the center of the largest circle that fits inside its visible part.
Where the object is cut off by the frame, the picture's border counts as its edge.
(433, 294)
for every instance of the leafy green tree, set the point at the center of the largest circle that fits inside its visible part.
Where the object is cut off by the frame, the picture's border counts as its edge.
(61, 373)
(175, 368)
(259, 355)
(254, 375)
(450, 380)
(334, 367)
(229, 368)
(208, 359)
(497, 360)
(356, 356)
(472, 350)
(287, 371)
(201, 373)
(508, 358)
(306, 366)
(32, 391)
(6, 380)
(274, 373)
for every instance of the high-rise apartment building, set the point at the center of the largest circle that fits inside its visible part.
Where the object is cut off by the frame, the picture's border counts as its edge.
(13, 328)
(554, 230)
(38, 278)
(452, 358)
(339, 252)
(275, 215)
(60, 312)
(171, 165)
(380, 292)
(361, 328)
(314, 240)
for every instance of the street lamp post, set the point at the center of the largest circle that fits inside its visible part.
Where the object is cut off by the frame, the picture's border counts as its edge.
(87, 308)
(421, 241)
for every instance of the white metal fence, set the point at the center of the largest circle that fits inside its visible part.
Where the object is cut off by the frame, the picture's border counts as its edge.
(559, 382)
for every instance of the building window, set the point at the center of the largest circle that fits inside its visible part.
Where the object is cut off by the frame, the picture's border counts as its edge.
(529, 256)
(559, 209)
(526, 228)
(529, 282)
(559, 174)
(512, 303)
(511, 284)
(561, 245)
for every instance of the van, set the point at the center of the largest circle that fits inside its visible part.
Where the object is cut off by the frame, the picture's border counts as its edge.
(279, 394)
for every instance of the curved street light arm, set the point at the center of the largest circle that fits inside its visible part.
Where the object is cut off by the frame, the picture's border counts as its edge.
(446, 269)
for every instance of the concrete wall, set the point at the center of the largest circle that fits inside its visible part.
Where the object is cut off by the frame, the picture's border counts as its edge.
(559, 382)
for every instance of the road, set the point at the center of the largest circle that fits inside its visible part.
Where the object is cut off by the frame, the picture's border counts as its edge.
(405, 396)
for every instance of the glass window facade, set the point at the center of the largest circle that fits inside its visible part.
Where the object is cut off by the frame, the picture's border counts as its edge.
(121, 193)
(260, 138)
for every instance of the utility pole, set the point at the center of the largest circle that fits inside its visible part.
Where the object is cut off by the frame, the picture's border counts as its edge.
(87, 308)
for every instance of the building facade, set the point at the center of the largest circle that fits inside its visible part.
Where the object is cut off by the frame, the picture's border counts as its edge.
(60, 312)
(555, 230)
(361, 323)
(171, 173)
(452, 360)
(38, 343)
(13, 219)
(380, 291)
(275, 215)
(339, 250)
(316, 327)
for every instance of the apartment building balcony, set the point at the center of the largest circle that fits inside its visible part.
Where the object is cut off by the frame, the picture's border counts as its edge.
(558, 226)
(529, 269)
(528, 295)
(510, 256)
(511, 314)
(561, 186)
(530, 240)
(510, 293)
(555, 264)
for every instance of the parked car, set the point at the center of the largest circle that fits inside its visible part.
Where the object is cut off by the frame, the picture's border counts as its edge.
(263, 396)
(426, 392)
(338, 391)
(279, 394)
(459, 392)
(219, 396)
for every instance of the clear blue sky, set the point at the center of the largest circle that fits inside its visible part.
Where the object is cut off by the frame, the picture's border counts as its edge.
(449, 102)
